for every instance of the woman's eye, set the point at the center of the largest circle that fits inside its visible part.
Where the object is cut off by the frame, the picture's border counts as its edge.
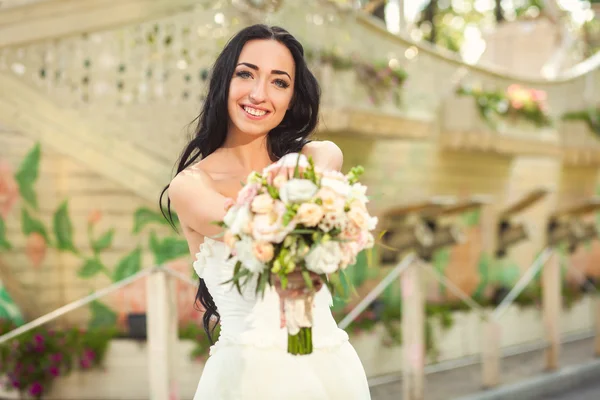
(281, 83)
(243, 74)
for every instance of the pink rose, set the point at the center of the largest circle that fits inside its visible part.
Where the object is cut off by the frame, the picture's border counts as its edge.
(9, 191)
(229, 202)
(269, 227)
(248, 193)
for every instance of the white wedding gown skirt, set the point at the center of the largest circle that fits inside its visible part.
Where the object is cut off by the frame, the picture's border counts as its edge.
(250, 359)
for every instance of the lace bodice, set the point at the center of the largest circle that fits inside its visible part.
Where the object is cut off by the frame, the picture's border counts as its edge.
(248, 319)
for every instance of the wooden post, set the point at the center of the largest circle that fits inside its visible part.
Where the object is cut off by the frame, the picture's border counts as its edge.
(491, 335)
(161, 326)
(551, 305)
(490, 349)
(413, 333)
(596, 306)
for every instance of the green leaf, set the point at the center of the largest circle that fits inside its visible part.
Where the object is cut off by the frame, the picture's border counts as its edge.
(104, 241)
(144, 216)
(471, 218)
(90, 268)
(102, 316)
(4, 243)
(170, 248)
(31, 225)
(273, 192)
(63, 228)
(27, 175)
(483, 266)
(129, 265)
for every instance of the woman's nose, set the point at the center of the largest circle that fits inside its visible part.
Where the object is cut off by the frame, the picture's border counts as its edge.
(258, 93)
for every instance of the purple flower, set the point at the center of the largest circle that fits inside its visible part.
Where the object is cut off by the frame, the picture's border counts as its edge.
(85, 363)
(39, 339)
(36, 389)
(56, 357)
(89, 354)
(15, 383)
(54, 371)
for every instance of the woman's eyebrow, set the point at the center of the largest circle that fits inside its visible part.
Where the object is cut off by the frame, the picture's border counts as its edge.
(255, 67)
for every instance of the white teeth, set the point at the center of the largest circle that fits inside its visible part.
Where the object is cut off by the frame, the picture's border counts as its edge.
(254, 111)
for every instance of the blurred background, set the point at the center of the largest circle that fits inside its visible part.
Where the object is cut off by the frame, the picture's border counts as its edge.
(477, 122)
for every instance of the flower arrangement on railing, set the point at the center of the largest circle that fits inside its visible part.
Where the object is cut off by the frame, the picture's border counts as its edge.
(377, 76)
(591, 117)
(30, 362)
(516, 102)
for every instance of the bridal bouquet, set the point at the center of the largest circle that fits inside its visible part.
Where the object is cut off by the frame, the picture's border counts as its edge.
(297, 227)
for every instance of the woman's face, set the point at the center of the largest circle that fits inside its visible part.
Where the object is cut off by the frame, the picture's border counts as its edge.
(261, 88)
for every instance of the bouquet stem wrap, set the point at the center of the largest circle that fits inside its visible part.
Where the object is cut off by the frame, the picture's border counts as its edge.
(298, 321)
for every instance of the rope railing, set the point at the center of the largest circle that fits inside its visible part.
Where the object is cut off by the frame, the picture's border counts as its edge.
(67, 308)
(527, 277)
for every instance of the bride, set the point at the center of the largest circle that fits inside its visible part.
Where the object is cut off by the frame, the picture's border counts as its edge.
(262, 103)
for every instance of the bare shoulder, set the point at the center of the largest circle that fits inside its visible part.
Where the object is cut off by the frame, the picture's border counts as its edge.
(325, 153)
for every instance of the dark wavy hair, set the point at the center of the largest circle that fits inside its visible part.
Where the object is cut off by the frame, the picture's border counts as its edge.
(288, 137)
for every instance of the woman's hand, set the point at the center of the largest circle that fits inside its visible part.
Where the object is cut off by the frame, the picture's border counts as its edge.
(296, 285)
(295, 288)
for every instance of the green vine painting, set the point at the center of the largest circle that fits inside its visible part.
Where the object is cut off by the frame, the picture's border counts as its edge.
(58, 235)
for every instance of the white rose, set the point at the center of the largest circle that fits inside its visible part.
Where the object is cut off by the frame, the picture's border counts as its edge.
(245, 253)
(297, 191)
(324, 258)
(238, 219)
(372, 223)
(338, 186)
(358, 192)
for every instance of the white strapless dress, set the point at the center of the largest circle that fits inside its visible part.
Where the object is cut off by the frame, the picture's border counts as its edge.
(250, 359)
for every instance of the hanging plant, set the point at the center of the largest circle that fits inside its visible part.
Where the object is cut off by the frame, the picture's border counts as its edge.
(376, 76)
(516, 102)
(591, 117)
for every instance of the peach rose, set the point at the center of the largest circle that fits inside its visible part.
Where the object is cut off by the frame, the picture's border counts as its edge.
(358, 217)
(9, 191)
(262, 204)
(263, 251)
(229, 239)
(309, 214)
(36, 249)
(331, 200)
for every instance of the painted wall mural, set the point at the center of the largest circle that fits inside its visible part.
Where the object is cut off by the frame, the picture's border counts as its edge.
(18, 198)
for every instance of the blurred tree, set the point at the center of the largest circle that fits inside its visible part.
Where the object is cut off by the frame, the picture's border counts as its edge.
(443, 22)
